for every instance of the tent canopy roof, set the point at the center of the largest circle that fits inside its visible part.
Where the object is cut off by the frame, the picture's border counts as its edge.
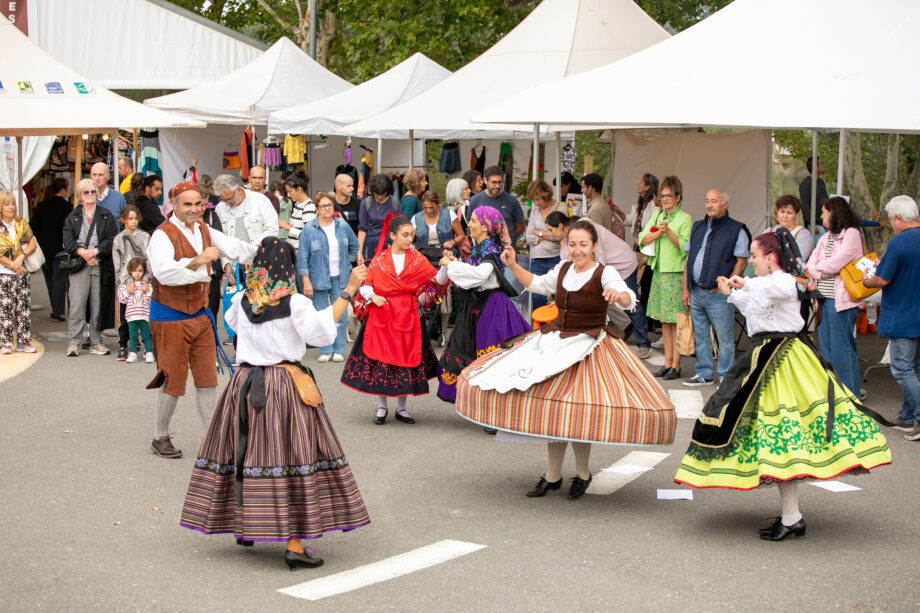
(728, 70)
(559, 38)
(328, 115)
(280, 78)
(138, 44)
(41, 96)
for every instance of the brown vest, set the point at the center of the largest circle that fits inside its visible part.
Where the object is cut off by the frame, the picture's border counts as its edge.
(582, 311)
(189, 298)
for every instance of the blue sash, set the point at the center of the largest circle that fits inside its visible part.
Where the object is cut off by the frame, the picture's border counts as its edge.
(162, 313)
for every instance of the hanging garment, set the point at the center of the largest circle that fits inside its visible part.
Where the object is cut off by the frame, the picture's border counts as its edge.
(294, 148)
(246, 153)
(272, 155)
(530, 176)
(478, 163)
(567, 159)
(148, 146)
(506, 163)
(231, 160)
(347, 169)
(450, 158)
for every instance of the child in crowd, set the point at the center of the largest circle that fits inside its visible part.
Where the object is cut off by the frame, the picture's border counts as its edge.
(129, 243)
(136, 298)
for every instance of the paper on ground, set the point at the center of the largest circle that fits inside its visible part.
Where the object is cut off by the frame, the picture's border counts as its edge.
(390, 568)
(835, 486)
(655, 359)
(607, 481)
(513, 437)
(626, 469)
(687, 403)
(675, 494)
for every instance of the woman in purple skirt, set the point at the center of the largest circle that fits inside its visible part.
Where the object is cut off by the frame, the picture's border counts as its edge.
(270, 467)
(486, 316)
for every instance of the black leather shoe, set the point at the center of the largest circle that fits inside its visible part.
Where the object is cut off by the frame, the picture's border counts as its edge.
(490, 431)
(294, 559)
(381, 419)
(778, 531)
(244, 543)
(404, 418)
(661, 371)
(579, 486)
(543, 486)
(672, 374)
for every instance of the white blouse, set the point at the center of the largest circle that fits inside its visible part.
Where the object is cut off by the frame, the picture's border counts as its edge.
(769, 303)
(574, 281)
(280, 340)
(482, 276)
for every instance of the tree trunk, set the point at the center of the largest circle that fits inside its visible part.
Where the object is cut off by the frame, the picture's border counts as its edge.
(324, 38)
(890, 186)
(912, 188)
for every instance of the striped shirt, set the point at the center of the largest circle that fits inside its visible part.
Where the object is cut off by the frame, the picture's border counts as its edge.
(137, 304)
(301, 213)
(826, 283)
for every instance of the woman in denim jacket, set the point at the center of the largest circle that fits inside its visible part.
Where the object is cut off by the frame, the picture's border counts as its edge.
(327, 247)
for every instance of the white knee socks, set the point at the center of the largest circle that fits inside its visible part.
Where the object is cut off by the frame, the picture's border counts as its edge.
(401, 406)
(166, 406)
(582, 453)
(205, 402)
(555, 453)
(789, 492)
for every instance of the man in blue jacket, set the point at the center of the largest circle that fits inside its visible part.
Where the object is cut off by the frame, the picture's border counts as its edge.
(718, 247)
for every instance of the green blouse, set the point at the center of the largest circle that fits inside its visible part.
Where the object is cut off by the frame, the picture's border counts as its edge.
(669, 258)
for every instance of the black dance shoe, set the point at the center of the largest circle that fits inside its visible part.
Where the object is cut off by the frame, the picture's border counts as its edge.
(778, 531)
(244, 543)
(579, 486)
(662, 371)
(381, 419)
(404, 418)
(543, 486)
(294, 559)
(672, 374)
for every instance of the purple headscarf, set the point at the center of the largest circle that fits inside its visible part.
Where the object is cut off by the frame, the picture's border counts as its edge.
(494, 225)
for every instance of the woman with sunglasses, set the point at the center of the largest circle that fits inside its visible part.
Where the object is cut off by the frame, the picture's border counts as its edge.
(96, 281)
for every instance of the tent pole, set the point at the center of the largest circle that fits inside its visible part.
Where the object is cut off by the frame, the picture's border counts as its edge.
(23, 207)
(536, 151)
(135, 156)
(841, 160)
(814, 176)
(116, 182)
(77, 166)
(768, 215)
(411, 150)
(557, 190)
(379, 152)
(613, 157)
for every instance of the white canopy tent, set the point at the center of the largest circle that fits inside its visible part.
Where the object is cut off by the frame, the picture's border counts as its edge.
(138, 44)
(328, 115)
(559, 38)
(282, 77)
(854, 72)
(42, 97)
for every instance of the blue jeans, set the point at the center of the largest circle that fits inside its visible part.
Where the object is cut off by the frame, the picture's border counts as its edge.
(905, 368)
(322, 298)
(541, 266)
(637, 315)
(712, 308)
(838, 343)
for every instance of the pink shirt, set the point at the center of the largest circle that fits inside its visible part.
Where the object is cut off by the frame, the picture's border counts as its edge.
(847, 247)
(137, 305)
(611, 251)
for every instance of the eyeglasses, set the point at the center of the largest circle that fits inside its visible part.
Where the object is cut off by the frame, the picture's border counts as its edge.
(499, 182)
(324, 205)
(665, 196)
(87, 192)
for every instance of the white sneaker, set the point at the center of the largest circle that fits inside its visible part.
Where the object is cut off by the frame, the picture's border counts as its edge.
(99, 349)
(324, 358)
(338, 357)
(149, 357)
(26, 348)
(72, 351)
(6, 349)
(132, 358)
(659, 344)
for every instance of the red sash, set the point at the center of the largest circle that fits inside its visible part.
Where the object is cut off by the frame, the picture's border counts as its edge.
(393, 332)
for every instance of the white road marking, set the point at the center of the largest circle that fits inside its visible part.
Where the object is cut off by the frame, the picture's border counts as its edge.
(687, 403)
(606, 482)
(835, 486)
(656, 359)
(390, 568)
(675, 494)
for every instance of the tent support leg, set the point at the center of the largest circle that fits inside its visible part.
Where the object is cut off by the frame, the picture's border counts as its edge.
(536, 152)
(22, 206)
(379, 153)
(411, 150)
(77, 166)
(841, 160)
(814, 176)
(116, 182)
(557, 174)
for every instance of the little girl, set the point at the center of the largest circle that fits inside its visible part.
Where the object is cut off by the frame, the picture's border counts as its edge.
(136, 298)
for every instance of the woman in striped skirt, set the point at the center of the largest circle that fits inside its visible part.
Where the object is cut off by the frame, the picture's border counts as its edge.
(270, 467)
(573, 380)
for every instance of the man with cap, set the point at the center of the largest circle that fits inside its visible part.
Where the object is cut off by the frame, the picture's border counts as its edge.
(181, 253)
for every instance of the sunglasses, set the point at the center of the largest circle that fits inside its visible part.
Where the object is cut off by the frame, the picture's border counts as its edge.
(87, 192)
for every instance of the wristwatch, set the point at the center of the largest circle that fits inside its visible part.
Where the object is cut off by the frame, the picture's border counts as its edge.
(346, 296)
(540, 234)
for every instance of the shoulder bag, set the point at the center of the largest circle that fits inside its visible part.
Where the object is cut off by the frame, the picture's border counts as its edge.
(70, 262)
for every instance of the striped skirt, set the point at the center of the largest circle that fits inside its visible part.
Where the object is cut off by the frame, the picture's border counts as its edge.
(608, 397)
(296, 480)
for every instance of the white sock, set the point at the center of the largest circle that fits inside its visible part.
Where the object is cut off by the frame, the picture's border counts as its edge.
(582, 453)
(205, 402)
(401, 406)
(166, 406)
(789, 492)
(382, 406)
(555, 453)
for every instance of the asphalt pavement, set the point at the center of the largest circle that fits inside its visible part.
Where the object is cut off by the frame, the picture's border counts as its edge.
(90, 516)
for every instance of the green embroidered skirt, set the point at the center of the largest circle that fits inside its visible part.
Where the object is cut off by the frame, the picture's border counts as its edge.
(665, 299)
(780, 434)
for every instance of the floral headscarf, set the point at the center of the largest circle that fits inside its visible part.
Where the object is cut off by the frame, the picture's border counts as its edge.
(790, 259)
(494, 224)
(269, 282)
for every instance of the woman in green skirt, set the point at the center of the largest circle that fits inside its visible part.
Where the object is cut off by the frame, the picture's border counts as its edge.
(668, 232)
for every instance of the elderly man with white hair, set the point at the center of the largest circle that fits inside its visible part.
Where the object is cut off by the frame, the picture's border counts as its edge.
(898, 273)
(244, 214)
(109, 199)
